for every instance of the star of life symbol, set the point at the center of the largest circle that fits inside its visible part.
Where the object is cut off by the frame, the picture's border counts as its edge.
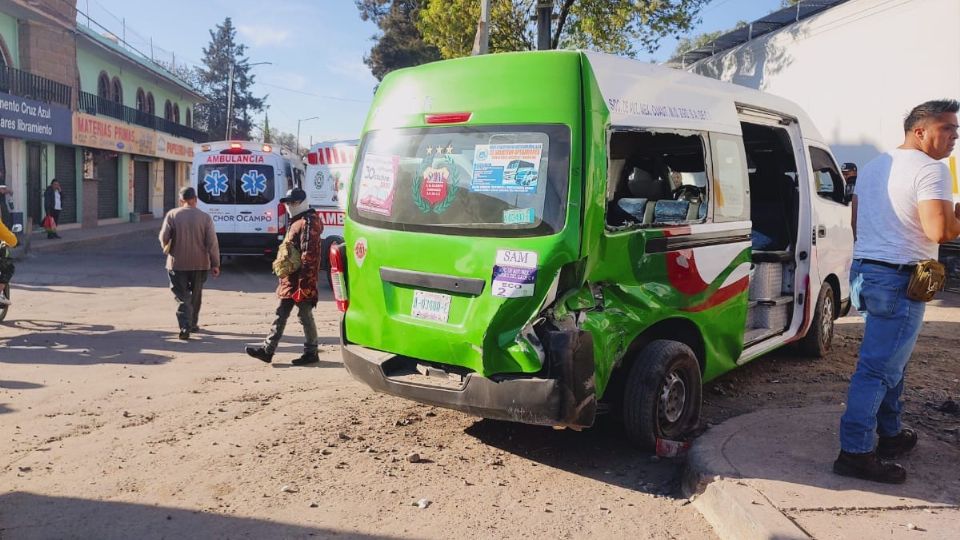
(215, 183)
(253, 183)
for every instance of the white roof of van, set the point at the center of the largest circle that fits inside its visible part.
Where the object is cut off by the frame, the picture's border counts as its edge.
(640, 94)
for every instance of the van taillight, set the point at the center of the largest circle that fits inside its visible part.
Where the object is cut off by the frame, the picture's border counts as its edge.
(338, 275)
(281, 220)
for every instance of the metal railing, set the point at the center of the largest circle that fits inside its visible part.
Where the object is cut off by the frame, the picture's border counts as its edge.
(26, 84)
(94, 104)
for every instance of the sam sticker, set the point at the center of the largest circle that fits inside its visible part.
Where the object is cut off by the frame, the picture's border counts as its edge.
(519, 216)
(514, 273)
(360, 251)
(378, 182)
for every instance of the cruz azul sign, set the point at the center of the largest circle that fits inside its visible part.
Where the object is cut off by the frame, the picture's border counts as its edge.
(33, 120)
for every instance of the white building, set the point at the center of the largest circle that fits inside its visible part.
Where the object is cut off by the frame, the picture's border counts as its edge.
(856, 66)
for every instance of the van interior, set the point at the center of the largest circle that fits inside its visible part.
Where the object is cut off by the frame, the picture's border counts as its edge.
(660, 179)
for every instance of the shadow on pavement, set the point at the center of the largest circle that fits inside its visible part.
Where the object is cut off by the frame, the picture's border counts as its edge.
(601, 453)
(19, 385)
(27, 516)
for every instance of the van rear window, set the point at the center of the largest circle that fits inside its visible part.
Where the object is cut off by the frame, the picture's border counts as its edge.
(484, 181)
(235, 184)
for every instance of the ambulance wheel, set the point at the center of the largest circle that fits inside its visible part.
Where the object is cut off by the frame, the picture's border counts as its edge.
(663, 394)
(819, 337)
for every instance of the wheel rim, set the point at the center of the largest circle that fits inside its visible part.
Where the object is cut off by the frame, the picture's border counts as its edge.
(826, 321)
(673, 397)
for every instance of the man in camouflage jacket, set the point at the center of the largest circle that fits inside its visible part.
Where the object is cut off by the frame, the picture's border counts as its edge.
(299, 288)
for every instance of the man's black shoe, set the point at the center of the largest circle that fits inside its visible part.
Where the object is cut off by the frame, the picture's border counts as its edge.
(195, 329)
(306, 358)
(898, 445)
(260, 354)
(184, 335)
(869, 466)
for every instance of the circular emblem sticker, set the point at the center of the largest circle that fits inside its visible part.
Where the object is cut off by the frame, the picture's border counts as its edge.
(360, 251)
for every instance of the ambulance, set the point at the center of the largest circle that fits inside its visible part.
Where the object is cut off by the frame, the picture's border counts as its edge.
(240, 185)
(329, 165)
(605, 237)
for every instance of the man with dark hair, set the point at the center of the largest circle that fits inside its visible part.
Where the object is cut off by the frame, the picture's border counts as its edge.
(52, 205)
(902, 209)
(190, 242)
(849, 172)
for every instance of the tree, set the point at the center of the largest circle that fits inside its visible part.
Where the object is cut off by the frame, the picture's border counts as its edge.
(267, 135)
(289, 141)
(616, 26)
(214, 82)
(399, 43)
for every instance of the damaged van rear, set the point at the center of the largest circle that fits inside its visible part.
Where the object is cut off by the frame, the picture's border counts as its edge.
(539, 237)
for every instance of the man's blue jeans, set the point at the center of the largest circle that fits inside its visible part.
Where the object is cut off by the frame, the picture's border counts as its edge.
(892, 324)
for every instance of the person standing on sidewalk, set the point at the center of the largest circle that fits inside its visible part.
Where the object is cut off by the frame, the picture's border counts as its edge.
(300, 287)
(902, 209)
(52, 204)
(190, 242)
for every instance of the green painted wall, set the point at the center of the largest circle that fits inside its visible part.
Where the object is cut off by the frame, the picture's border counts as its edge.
(91, 61)
(11, 36)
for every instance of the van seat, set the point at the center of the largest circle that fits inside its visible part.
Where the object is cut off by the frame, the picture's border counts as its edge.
(634, 206)
(771, 256)
(668, 211)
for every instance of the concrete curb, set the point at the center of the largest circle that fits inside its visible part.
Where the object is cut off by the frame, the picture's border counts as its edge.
(736, 510)
(83, 238)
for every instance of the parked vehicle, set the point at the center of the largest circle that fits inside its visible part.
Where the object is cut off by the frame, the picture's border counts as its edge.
(669, 229)
(240, 185)
(7, 270)
(328, 168)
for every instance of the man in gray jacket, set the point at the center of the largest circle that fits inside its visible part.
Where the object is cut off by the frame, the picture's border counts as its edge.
(190, 242)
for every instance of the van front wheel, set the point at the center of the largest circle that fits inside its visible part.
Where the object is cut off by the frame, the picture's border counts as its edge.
(819, 337)
(663, 394)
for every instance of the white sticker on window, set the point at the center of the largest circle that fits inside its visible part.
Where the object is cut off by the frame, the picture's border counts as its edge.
(378, 182)
(514, 273)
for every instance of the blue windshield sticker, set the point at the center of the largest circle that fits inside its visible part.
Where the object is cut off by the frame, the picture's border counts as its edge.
(215, 183)
(519, 216)
(253, 183)
(506, 168)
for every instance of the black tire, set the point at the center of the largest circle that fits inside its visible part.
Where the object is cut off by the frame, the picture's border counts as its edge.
(663, 394)
(5, 292)
(819, 337)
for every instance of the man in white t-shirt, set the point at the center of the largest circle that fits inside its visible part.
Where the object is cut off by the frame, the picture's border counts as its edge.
(902, 210)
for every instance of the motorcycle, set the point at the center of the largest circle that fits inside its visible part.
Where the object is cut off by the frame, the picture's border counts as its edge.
(6, 273)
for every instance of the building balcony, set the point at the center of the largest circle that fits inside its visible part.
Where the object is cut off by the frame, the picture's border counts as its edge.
(94, 104)
(27, 85)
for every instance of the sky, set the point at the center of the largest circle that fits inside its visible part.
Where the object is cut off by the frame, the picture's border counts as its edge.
(316, 76)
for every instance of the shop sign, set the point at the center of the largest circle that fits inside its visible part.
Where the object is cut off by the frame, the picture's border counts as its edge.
(174, 148)
(33, 120)
(108, 134)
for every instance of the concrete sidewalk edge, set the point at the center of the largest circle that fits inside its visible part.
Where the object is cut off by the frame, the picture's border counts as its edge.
(83, 237)
(737, 511)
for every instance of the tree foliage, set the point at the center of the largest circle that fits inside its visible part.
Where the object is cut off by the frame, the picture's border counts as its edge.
(399, 43)
(214, 82)
(623, 27)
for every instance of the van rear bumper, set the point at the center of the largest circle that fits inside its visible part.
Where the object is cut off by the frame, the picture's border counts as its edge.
(566, 399)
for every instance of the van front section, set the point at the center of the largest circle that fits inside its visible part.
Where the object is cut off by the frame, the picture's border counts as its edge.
(463, 223)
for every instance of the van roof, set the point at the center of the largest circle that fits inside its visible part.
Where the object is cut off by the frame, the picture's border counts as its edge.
(648, 95)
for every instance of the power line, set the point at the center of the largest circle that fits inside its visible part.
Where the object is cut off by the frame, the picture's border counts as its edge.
(337, 98)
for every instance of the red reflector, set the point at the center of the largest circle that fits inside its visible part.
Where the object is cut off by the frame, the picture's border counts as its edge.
(281, 220)
(312, 158)
(448, 118)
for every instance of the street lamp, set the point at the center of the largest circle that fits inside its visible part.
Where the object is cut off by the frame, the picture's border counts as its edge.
(298, 131)
(230, 93)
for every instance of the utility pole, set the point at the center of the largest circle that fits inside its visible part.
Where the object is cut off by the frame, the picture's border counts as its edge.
(481, 44)
(544, 16)
(298, 131)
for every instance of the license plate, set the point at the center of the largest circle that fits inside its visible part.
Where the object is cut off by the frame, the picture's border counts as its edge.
(431, 306)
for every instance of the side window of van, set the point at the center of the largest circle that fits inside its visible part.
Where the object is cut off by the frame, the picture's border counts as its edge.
(731, 200)
(826, 174)
(656, 178)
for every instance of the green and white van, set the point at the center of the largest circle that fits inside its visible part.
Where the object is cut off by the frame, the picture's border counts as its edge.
(540, 237)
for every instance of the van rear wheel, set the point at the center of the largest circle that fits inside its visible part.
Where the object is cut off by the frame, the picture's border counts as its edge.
(663, 395)
(819, 337)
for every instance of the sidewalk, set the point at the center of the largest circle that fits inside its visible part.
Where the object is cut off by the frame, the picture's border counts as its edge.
(768, 474)
(77, 237)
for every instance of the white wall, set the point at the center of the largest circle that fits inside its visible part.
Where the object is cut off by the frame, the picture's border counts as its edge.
(857, 68)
